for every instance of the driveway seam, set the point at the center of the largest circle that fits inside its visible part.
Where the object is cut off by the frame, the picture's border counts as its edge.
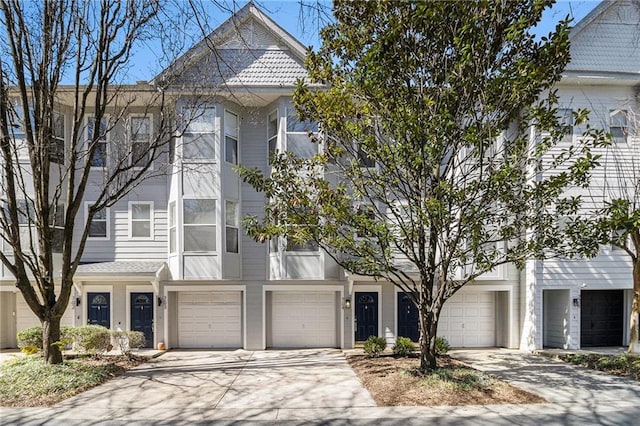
(234, 380)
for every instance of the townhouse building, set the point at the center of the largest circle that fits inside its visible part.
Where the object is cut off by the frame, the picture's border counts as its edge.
(171, 259)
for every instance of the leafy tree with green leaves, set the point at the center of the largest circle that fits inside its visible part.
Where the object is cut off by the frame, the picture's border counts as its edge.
(436, 118)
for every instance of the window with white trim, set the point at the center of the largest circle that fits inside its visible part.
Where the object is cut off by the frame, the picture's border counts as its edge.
(199, 136)
(99, 227)
(56, 145)
(618, 126)
(272, 132)
(299, 132)
(230, 137)
(99, 157)
(232, 222)
(57, 224)
(199, 225)
(141, 220)
(172, 228)
(140, 138)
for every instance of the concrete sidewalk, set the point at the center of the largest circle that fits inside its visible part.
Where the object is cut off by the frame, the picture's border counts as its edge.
(318, 387)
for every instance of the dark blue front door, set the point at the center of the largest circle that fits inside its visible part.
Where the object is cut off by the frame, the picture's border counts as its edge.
(142, 315)
(407, 318)
(99, 309)
(366, 315)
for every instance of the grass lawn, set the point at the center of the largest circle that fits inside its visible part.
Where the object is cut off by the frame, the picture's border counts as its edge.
(396, 381)
(27, 381)
(627, 365)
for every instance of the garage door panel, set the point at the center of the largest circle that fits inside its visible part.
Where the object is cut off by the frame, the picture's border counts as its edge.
(209, 320)
(468, 320)
(303, 319)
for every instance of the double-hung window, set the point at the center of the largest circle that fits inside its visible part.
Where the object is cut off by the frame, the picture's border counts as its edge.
(299, 133)
(99, 157)
(272, 132)
(141, 220)
(199, 225)
(140, 137)
(99, 227)
(565, 117)
(172, 228)
(230, 137)
(618, 126)
(56, 144)
(231, 226)
(57, 223)
(199, 136)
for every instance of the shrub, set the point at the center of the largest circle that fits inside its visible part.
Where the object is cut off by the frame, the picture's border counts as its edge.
(374, 345)
(403, 347)
(127, 340)
(91, 338)
(30, 338)
(442, 345)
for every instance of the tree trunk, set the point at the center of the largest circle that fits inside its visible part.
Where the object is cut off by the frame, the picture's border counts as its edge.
(635, 307)
(50, 336)
(428, 328)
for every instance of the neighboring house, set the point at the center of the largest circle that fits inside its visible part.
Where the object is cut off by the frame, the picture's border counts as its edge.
(171, 259)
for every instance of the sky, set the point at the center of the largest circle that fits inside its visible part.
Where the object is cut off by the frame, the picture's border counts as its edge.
(287, 13)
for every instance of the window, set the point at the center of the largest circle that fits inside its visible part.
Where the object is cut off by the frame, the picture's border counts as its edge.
(56, 145)
(141, 220)
(307, 246)
(565, 117)
(230, 137)
(199, 225)
(299, 141)
(619, 237)
(140, 137)
(172, 227)
(367, 215)
(231, 226)
(618, 126)
(364, 160)
(198, 138)
(57, 222)
(99, 157)
(26, 212)
(99, 227)
(272, 132)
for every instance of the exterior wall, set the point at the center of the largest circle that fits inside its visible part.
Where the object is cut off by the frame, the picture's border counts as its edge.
(7, 319)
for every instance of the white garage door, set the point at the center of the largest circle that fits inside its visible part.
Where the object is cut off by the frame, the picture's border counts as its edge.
(25, 317)
(209, 319)
(468, 320)
(303, 319)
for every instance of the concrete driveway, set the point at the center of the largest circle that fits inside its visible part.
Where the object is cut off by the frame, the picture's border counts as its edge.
(199, 386)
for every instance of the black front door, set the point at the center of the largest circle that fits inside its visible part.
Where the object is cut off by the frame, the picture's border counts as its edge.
(601, 317)
(142, 315)
(366, 315)
(407, 318)
(99, 309)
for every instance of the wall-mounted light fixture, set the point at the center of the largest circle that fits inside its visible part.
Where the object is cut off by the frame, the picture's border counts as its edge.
(576, 302)
(159, 301)
(347, 303)
(78, 301)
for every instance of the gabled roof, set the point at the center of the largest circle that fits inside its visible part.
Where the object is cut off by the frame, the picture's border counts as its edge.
(226, 31)
(606, 42)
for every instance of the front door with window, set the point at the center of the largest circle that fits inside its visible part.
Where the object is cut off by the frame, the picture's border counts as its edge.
(99, 310)
(142, 316)
(366, 321)
(407, 318)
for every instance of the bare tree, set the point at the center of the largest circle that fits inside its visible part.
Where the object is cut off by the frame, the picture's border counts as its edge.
(52, 136)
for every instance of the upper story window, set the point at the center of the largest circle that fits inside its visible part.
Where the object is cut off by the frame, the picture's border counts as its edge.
(172, 228)
(618, 125)
(230, 137)
(99, 157)
(26, 212)
(99, 227)
(57, 222)
(367, 213)
(56, 145)
(565, 117)
(140, 137)
(272, 132)
(141, 220)
(232, 220)
(299, 141)
(364, 160)
(306, 247)
(199, 136)
(199, 227)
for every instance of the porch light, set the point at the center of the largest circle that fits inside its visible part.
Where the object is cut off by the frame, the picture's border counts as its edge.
(78, 300)
(159, 301)
(347, 303)
(576, 302)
